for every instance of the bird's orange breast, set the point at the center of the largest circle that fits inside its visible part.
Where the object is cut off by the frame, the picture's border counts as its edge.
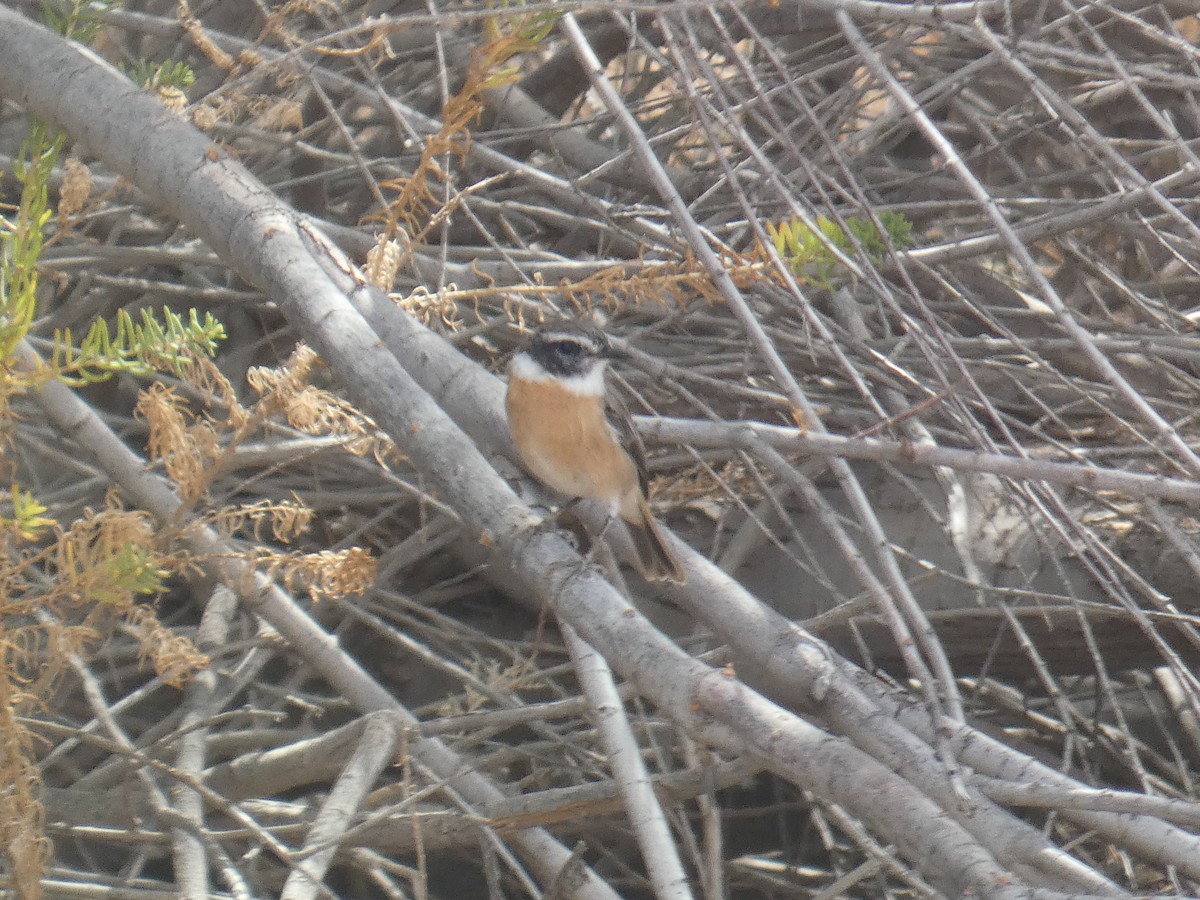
(565, 442)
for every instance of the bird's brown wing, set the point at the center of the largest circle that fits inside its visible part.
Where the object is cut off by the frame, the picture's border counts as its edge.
(627, 436)
(657, 560)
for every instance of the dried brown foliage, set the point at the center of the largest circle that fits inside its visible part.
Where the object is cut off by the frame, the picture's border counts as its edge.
(1064, 613)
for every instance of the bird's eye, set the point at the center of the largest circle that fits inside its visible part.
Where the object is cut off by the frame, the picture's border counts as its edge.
(568, 348)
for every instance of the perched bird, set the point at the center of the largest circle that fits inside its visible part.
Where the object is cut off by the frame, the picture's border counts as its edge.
(578, 440)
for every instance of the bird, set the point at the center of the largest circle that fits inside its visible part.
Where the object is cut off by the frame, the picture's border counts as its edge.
(577, 439)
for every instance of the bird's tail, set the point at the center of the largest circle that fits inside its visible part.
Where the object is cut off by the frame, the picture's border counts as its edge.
(656, 560)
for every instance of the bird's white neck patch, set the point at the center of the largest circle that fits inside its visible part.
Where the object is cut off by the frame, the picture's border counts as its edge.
(589, 384)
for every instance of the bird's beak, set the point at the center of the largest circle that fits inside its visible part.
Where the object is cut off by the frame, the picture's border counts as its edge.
(616, 352)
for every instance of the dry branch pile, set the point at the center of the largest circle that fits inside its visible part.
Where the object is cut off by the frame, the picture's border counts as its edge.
(909, 294)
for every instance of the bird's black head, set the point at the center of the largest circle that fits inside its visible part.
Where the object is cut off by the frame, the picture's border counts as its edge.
(568, 349)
